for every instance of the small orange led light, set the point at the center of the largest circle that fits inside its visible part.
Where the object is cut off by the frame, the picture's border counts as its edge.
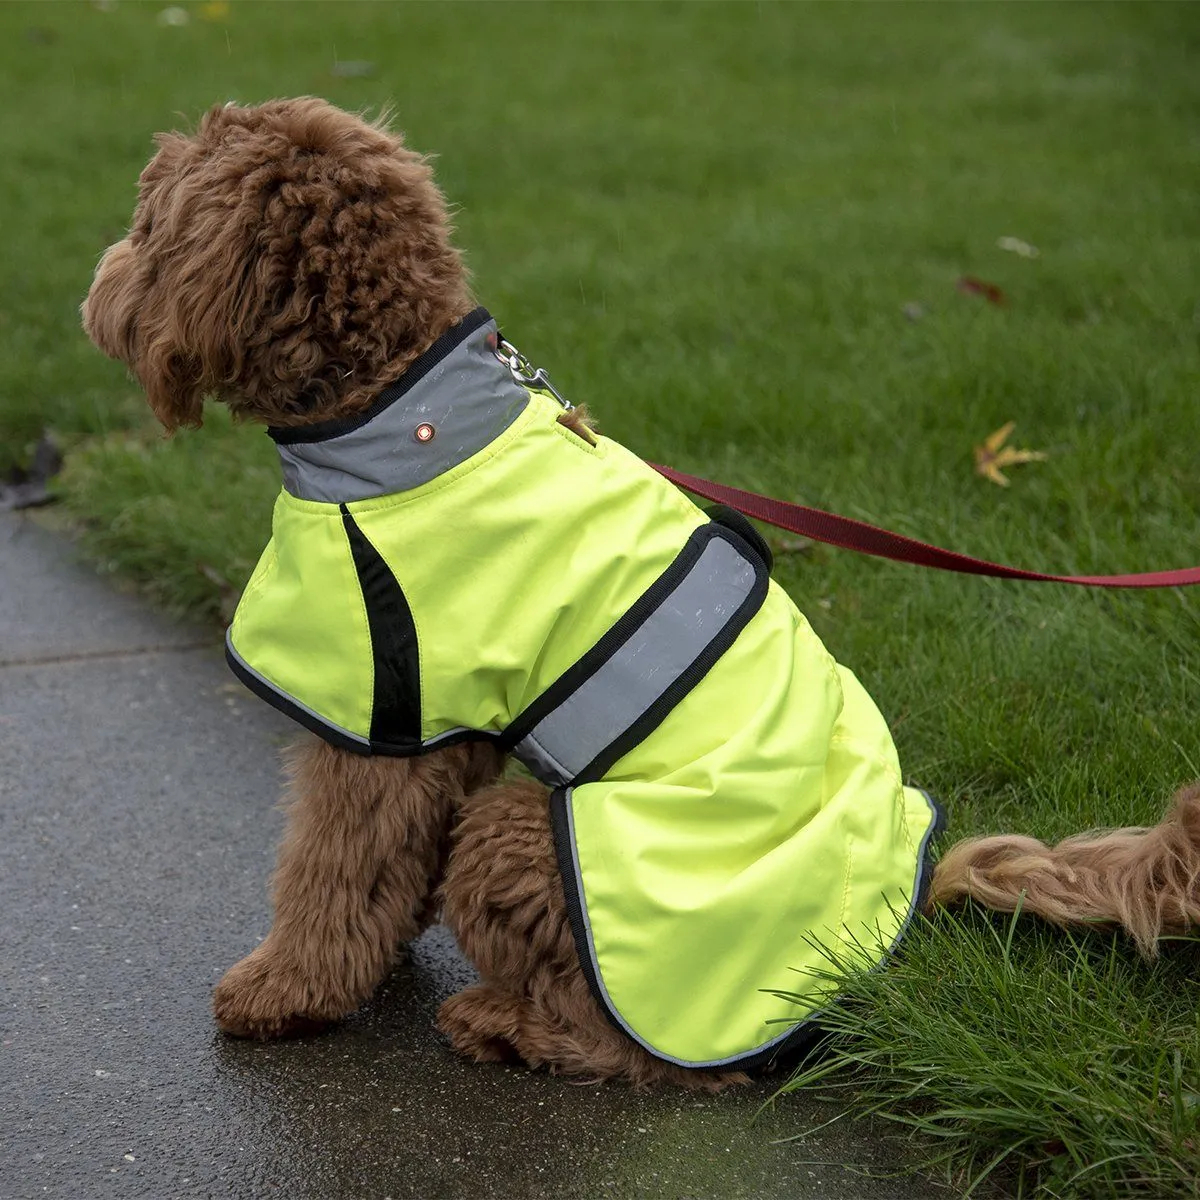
(424, 432)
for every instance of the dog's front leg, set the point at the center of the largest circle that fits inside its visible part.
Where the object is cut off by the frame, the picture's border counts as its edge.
(362, 854)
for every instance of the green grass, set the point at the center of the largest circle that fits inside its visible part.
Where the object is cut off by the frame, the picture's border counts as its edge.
(1023, 1063)
(706, 222)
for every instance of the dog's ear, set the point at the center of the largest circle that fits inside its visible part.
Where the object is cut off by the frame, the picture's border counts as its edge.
(120, 317)
(172, 381)
(164, 300)
(125, 318)
(111, 306)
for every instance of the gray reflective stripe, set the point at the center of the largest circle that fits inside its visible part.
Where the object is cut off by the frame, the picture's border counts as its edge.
(658, 652)
(469, 399)
(541, 762)
(813, 1017)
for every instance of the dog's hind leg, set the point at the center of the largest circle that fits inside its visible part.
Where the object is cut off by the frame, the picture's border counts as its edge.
(563, 1030)
(361, 857)
(503, 898)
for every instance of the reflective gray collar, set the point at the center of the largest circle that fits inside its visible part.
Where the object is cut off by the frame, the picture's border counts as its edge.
(452, 402)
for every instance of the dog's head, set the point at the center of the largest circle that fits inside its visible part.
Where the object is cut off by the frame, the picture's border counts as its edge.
(290, 258)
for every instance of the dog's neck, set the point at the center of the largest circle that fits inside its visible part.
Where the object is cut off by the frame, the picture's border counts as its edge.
(453, 400)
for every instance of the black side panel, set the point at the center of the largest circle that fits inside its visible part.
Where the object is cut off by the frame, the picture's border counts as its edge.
(396, 710)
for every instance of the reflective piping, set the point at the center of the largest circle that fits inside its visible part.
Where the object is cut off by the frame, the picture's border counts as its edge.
(463, 403)
(312, 720)
(671, 638)
(288, 703)
(457, 732)
(757, 1053)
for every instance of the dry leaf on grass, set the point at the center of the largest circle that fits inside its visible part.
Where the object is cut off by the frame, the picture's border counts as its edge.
(994, 454)
(970, 285)
(1017, 246)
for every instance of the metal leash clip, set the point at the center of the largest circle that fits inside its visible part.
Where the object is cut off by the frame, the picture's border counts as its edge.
(524, 373)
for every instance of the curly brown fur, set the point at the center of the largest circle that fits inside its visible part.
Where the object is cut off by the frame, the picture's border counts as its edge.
(365, 847)
(1147, 881)
(290, 258)
(293, 259)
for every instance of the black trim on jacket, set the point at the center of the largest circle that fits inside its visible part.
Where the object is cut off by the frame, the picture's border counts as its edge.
(700, 666)
(289, 708)
(808, 1033)
(743, 527)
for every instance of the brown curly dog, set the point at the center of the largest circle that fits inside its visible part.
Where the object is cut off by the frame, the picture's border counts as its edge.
(293, 260)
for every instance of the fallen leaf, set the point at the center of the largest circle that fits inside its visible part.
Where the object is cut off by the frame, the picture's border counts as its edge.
(1016, 246)
(994, 454)
(970, 286)
(214, 10)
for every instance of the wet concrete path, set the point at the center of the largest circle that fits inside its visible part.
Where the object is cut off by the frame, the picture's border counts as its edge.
(137, 784)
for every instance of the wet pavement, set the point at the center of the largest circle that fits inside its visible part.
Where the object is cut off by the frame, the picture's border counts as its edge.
(137, 825)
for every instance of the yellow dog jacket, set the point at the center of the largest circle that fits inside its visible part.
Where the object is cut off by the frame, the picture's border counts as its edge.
(456, 564)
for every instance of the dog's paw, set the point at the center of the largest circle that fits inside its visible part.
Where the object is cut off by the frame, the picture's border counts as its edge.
(483, 1024)
(263, 997)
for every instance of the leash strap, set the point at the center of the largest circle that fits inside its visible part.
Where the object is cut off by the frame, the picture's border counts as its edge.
(869, 539)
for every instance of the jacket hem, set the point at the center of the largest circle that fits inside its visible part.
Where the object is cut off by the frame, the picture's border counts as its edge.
(335, 734)
(800, 1037)
(262, 687)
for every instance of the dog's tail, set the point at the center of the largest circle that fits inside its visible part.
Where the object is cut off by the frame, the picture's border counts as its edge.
(1145, 880)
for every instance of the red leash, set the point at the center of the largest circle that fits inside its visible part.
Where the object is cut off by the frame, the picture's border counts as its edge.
(868, 539)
